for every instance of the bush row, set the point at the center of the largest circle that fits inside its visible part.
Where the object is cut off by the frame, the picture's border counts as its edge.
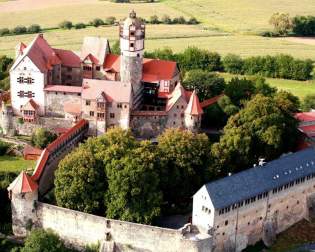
(279, 66)
(20, 29)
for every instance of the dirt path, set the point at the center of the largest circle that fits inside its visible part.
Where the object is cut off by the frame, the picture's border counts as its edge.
(26, 5)
(301, 40)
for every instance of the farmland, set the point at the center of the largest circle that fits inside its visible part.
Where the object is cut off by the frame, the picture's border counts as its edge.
(226, 26)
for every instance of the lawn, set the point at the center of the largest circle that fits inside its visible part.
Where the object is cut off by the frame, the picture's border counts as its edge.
(245, 16)
(15, 164)
(298, 88)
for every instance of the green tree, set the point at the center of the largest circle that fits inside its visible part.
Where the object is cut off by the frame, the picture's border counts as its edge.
(42, 137)
(34, 28)
(133, 186)
(227, 106)
(80, 182)
(308, 103)
(96, 22)
(166, 19)
(233, 64)
(154, 19)
(110, 20)
(79, 26)
(205, 83)
(184, 164)
(281, 22)
(115, 49)
(40, 240)
(265, 128)
(66, 25)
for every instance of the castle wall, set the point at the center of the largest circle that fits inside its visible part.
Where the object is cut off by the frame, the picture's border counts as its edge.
(262, 219)
(71, 75)
(55, 102)
(80, 229)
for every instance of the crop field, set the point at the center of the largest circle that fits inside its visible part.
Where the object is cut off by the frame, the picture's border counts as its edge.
(298, 88)
(245, 16)
(239, 19)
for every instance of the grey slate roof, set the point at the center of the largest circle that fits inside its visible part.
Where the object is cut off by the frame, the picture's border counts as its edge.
(249, 183)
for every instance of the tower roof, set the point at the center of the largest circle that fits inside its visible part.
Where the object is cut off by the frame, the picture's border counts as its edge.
(132, 20)
(23, 184)
(193, 107)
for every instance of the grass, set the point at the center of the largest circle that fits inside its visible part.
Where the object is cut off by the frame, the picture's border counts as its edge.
(298, 234)
(298, 88)
(15, 164)
(244, 16)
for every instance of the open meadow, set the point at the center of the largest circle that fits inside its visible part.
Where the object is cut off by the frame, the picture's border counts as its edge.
(15, 164)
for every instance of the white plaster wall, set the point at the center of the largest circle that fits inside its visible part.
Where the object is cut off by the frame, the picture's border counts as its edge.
(178, 109)
(37, 87)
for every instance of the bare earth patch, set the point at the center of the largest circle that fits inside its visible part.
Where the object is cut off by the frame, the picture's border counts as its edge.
(302, 40)
(26, 5)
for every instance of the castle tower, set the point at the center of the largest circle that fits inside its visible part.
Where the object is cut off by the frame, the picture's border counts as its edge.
(193, 113)
(132, 34)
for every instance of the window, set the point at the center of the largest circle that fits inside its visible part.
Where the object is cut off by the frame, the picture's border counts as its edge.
(20, 80)
(29, 80)
(125, 106)
(132, 33)
(91, 113)
(175, 115)
(112, 115)
(29, 94)
(100, 116)
(21, 94)
(226, 222)
(101, 104)
(69, 77)
(87, 102)
(69, 69)
(98, 68)
(131, 44)
(119, 105)
(87, 68)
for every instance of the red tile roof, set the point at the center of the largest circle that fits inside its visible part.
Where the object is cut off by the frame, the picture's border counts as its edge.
(72, 108)
(209, 102)
(308, 128)
(68, 58)
(113, 90)
(23, 184)
(52, 146)
(41, 54)
(305, 116)
(63, 88)
(193, 107)
(95, 49)
(153, 69)
(30, 150)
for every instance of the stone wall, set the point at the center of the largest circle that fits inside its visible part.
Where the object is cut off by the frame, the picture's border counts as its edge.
(80, 229)
(55, 102)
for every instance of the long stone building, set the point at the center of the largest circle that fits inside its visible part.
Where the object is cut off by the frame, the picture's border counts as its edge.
(258, 203)
(125, 90)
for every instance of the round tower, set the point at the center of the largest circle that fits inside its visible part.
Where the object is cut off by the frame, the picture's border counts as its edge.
(132, 34)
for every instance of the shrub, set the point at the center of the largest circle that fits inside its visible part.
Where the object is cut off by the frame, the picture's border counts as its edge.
(40, 240)
(42, 137)
(233, 64)
(308, 103)
(281, 22)
(19, 30)
(79, 26)
(4, 31)
(97, 22)
(34, 28)
(154, 19)
(181, 20)
(110, 20)
(192, 21)
(304, 25)
(166, 19)
(3, 148)
(66, 25)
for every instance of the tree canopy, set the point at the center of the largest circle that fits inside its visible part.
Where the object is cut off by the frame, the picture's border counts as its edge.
(41, 137)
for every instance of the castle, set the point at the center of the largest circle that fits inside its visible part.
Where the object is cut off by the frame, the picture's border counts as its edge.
(108, 90)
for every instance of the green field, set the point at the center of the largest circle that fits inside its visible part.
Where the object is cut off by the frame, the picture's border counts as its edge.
(298, 88)
(237, 20)
(246, 16)
(15, 164)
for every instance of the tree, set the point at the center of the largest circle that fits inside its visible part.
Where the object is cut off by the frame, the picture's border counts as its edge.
(110, 20)
(42, 137)
(227, 106)
(233, 64)
(281, 22)
(66, 25)
(166, 19)
(308, 103)
(4, 31)
(184, 164)
(154, 19)
(34, 28)
(264, 128)
(239, 89)
(19, 29)
(4, 146)
(80, 182)
(192, 21)
(116, 47)
(165, 53)
(96, 22)
(133, 186)
(40, 240)
(79, 26)
(205, 83)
